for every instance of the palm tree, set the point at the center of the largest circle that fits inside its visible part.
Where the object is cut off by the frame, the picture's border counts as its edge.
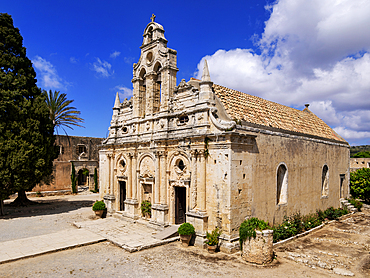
(61, 113)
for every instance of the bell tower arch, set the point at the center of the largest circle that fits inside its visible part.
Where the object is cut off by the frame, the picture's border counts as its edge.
(154, 76)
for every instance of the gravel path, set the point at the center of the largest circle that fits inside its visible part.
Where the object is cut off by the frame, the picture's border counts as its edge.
(172, 260)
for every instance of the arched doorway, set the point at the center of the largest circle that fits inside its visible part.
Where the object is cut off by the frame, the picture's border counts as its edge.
(82, 177)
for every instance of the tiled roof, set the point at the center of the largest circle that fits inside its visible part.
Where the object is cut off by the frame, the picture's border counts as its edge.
(262, 112)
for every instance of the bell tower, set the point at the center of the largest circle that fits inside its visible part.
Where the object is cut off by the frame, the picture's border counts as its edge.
(154, 76)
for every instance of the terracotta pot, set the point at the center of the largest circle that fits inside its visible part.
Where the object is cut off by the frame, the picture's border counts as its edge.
(99, 213)
(185, 239)
(212, 249)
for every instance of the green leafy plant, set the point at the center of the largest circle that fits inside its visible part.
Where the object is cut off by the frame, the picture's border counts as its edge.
(248, 229)
(296, 224)
(212, 238)
(99, 205)
(96, 188)
(360, 184)
(362, 154)
(186, 229)
(74, 179)
(85, 172)
(146, 208)
(333, 214)
(356, 203)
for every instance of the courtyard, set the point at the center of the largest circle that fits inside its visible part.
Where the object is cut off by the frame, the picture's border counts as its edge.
(340, 248)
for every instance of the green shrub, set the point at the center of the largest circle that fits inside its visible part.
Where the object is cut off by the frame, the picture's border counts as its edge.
(311, 221)
(146, 208)
(360, 184)
(365, 154)
(333, 214)
(248, 229)
(357, 204)
(186, 229)
(212, 238)
(73, 179)
(99, 205)
(297, 224)
(96, 188)
(292, 226)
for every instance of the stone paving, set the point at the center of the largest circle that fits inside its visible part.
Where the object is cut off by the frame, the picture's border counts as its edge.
(131, 236)
(32, 246)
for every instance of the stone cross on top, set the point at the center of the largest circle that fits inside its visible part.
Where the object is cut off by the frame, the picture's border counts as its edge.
(153, 17)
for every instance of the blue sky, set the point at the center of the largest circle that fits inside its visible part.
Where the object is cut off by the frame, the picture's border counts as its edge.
(289, 51)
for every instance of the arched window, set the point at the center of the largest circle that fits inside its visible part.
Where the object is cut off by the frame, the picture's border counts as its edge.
(142, 93)
(157, 88)
(282, 185)
(325, 181)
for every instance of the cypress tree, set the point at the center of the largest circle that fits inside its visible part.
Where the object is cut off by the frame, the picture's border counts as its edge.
(27, 142)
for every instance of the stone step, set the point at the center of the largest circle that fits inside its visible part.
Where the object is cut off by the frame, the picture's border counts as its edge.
(168, 232)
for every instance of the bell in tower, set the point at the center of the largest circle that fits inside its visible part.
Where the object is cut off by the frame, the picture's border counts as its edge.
(154, 76)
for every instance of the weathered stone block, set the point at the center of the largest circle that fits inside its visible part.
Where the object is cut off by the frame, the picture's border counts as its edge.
(259, 250)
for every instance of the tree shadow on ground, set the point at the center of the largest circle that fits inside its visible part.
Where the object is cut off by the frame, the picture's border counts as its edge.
(44, 207)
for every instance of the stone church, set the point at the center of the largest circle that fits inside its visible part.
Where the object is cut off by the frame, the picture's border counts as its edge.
(213, 156)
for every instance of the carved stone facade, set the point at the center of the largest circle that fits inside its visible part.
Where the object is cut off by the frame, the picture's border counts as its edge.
(212, 156)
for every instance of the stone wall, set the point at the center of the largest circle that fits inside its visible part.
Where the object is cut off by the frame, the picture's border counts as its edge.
(83, 151)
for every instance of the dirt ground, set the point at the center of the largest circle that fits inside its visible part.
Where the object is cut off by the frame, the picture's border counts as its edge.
(340, 246)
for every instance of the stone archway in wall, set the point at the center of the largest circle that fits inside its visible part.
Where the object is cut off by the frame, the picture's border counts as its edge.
(82, 177)
(179, 183)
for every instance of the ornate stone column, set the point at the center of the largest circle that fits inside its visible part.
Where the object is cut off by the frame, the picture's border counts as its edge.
(194, 178)
(163, 166)
(198, 215)
(202, 182)
(109, 198)
(131, 203)
(157, 178)
(160, 208)
(134, 176)
(129, 176)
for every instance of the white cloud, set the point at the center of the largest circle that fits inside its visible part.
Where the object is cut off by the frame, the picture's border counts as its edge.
(48, 75)
(313, 52)
(115, 54)
(103, 68)
(124, 92)
(73, 60)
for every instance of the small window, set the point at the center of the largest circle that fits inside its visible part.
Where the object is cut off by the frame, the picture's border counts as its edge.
(81, 149)
(282, 185)
(61, 149)
(124, 129)
(325, 181)
(181, 164)
(183, 119)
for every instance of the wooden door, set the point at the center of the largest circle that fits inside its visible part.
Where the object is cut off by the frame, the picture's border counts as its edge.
(122, 195)
(180, 205)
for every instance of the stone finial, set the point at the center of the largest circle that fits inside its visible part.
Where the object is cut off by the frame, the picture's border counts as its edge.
(307, 104)
(205, 74)
(153, 17)
(117, 102)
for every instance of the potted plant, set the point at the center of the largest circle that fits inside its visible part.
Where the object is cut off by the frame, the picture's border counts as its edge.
(212, 240)
(186, 230)
(146, 209)
(99, 208)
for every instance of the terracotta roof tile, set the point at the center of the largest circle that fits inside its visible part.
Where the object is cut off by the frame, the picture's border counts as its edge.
(259, 111)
